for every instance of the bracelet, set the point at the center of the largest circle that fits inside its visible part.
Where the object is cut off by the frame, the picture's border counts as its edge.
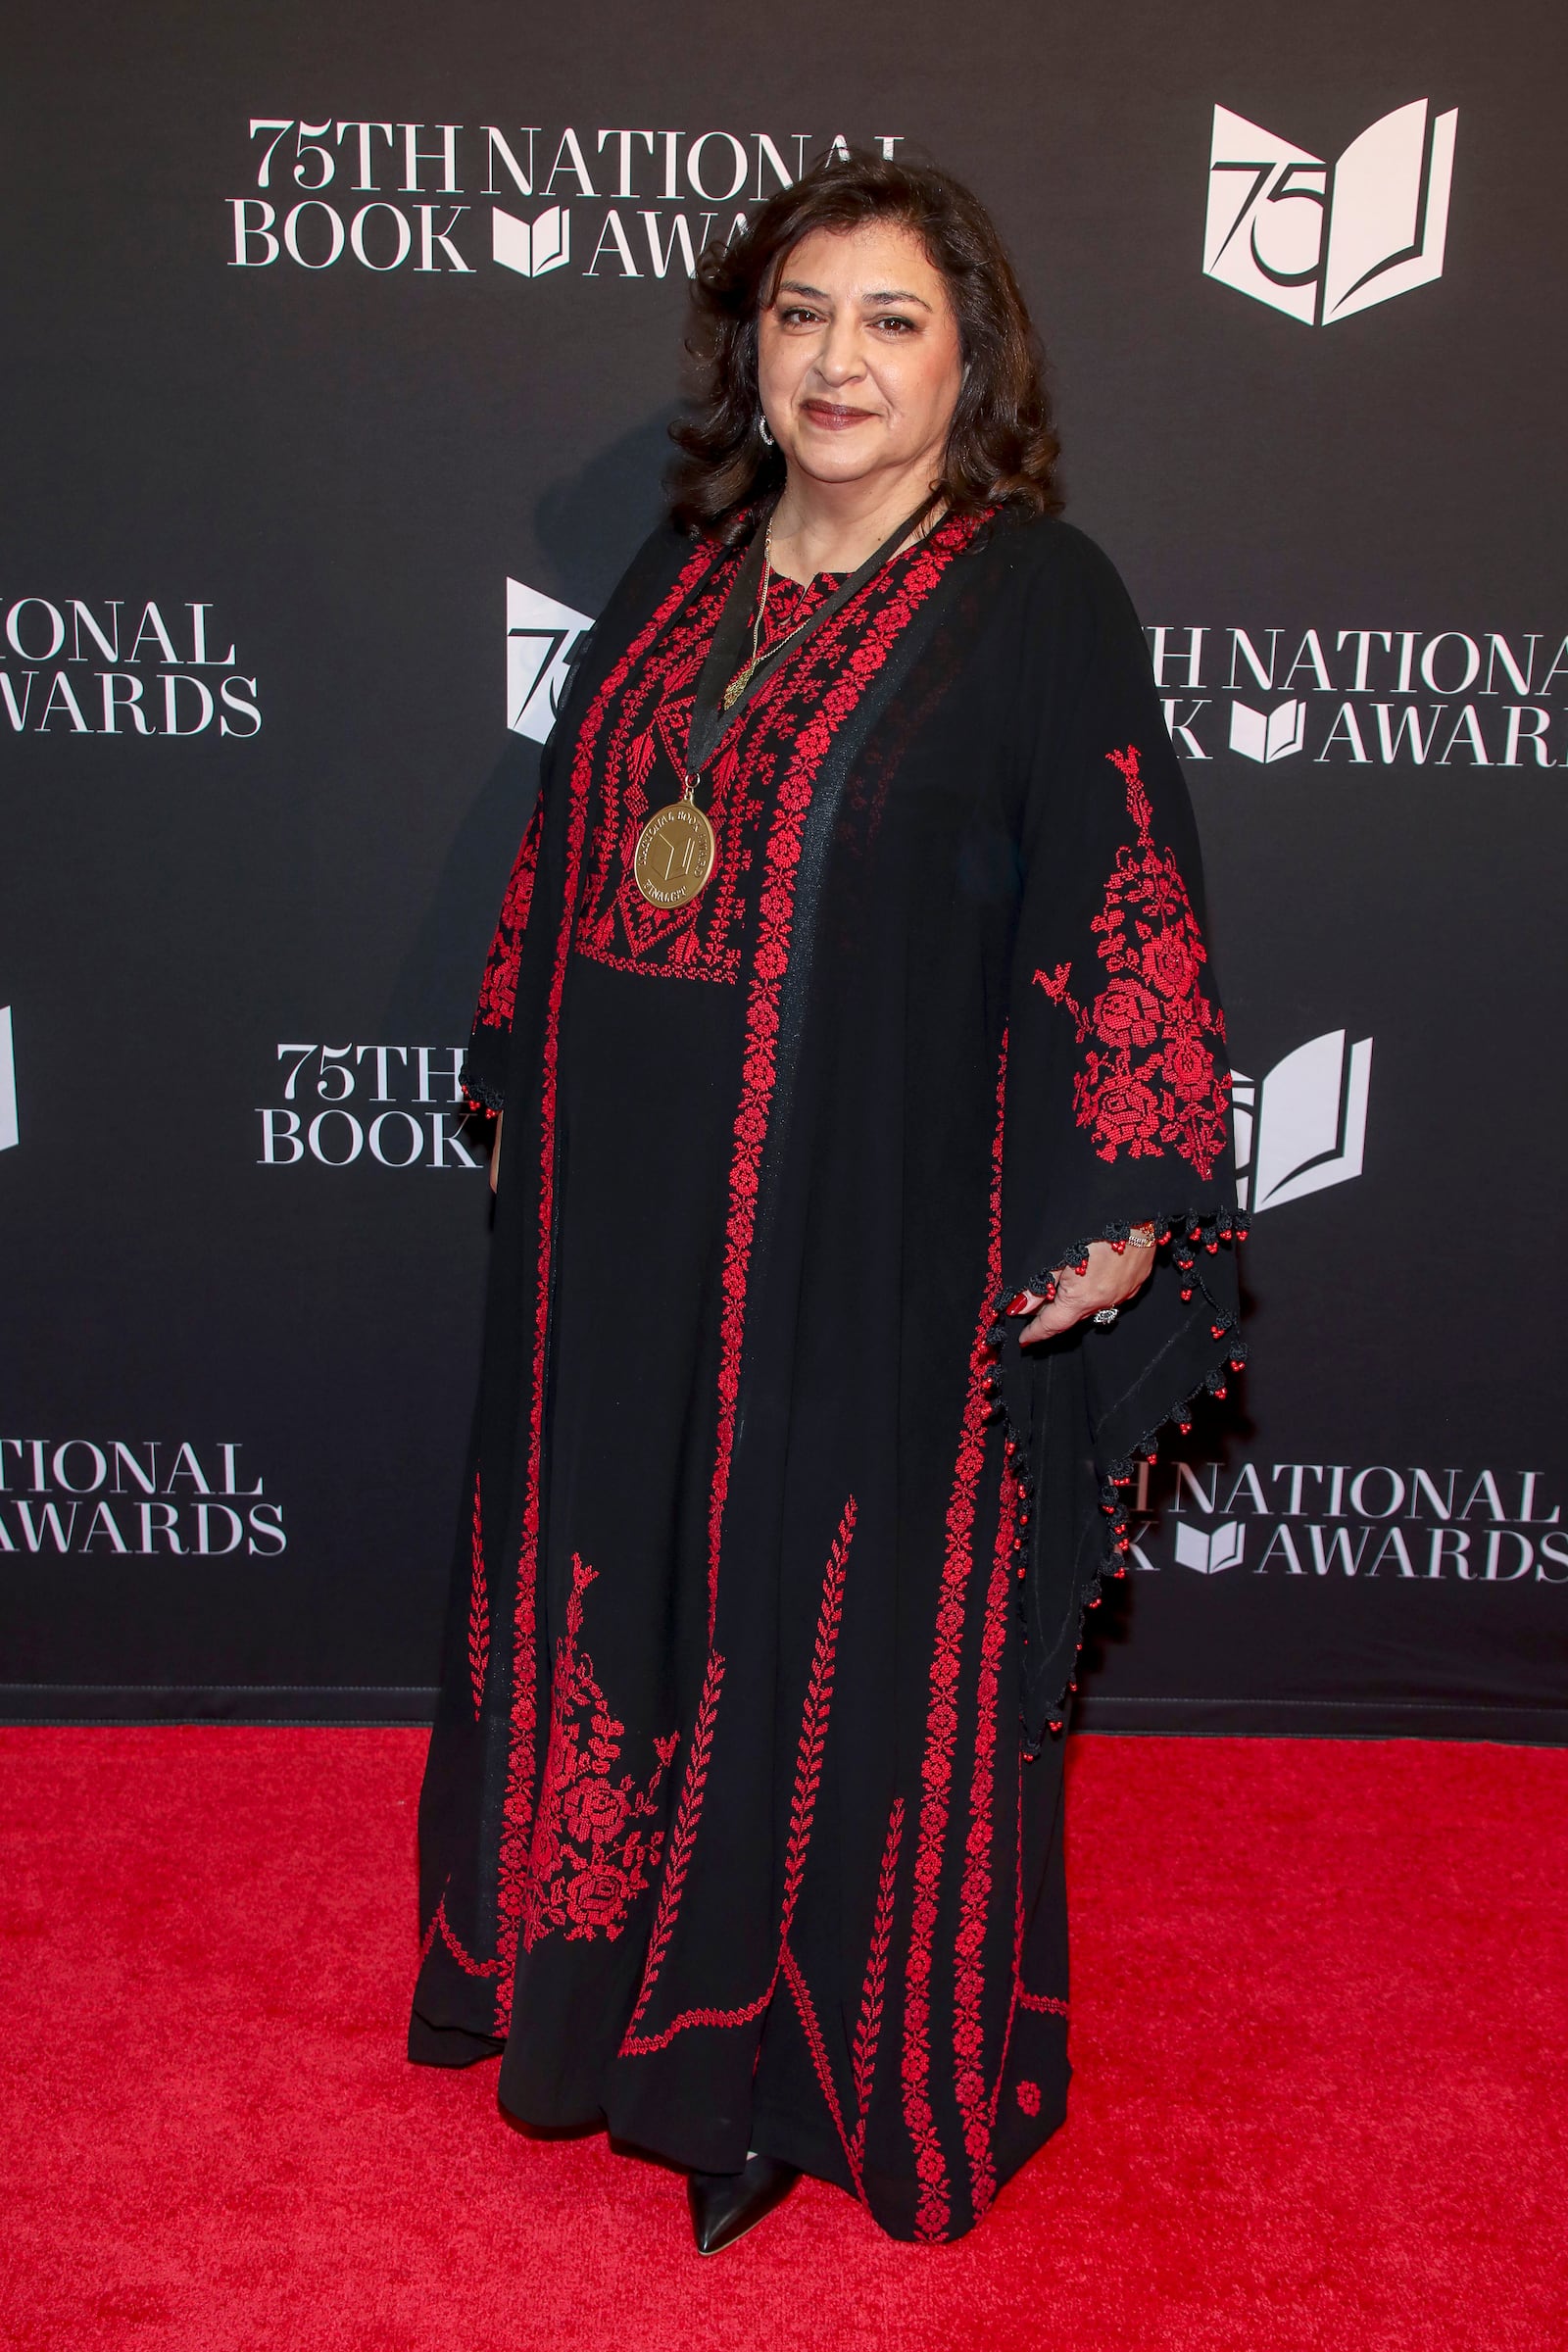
(1140, 1236)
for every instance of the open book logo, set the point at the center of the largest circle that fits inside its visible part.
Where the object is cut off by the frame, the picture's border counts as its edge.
(8, 1083)
(1268, 734)
(531, 249)
(1304, 1126)
(540, 637)
(1209, 1553)
(1323, 240)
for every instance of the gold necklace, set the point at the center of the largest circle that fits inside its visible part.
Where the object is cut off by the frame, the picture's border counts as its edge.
(747, 669)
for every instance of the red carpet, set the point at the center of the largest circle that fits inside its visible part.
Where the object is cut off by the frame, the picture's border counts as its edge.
(1321, 1993)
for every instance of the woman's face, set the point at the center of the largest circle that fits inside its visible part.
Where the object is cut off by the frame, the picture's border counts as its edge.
(859, 359)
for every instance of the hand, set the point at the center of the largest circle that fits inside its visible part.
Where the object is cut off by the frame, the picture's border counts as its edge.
(1111, 1278)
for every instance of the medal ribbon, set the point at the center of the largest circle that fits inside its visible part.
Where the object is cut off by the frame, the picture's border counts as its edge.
(676, 849)
(710, 722)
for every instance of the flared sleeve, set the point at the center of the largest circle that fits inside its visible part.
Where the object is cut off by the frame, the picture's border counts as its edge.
(1117, 1104)
(484, 1065)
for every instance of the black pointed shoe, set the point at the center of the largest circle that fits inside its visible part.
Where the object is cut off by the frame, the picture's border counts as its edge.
(725, 2205)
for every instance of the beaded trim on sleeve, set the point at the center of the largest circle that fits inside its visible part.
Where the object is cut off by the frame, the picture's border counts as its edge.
(1189, 1239)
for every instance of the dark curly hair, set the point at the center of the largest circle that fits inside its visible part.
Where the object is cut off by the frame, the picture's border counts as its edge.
(1002, 449)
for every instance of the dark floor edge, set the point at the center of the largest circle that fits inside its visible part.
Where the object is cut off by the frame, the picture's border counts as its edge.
(368, 1703)
(218, 1702)
(1329, 1719)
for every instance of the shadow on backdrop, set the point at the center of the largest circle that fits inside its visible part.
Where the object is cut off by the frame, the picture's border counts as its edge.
(433, 994)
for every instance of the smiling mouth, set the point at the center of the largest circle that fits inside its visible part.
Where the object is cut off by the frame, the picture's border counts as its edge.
(833, 414)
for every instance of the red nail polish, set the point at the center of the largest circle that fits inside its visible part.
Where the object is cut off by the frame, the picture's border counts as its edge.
(1019, 1305)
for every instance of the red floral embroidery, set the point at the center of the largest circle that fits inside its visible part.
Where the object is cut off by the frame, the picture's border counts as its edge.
(516, 1804)
(641, 2045)
(827, 685)
(1017, 1944)
(810, 2026)
(815, 1715)
(803, 1808)
(839, 666)
(941, 1730)
(595, 1844)
(1043, 2002)
(1028, 2096)
(974, 1897)
(441, 1926)
(478, 1611)
(1046, 2004)
(1151, 1081)
(645, 766)
(682, 1838)
(868, 2025)
(498, 989)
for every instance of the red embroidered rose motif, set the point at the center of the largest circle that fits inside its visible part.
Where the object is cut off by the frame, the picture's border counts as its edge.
(1189, 1066)
(1127, 1015)
(546, 1856)
(594, 1808)
(595, 1898)
(1158, 1086)
(1126, 1112)
(1028, 2094)
(557, 1755)
(596, 1840)
(1169, 962)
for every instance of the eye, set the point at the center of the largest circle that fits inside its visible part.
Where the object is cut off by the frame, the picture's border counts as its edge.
(797, 315)
(895, 325)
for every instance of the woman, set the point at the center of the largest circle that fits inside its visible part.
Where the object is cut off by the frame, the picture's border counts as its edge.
(859, 1219)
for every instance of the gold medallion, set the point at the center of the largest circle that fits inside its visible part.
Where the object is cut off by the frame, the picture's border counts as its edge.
(674, 854)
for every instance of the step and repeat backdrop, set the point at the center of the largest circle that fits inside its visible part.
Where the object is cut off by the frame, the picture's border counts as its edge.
(341, 350)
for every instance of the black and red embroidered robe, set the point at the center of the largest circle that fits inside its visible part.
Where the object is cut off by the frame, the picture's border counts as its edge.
(742, 1824)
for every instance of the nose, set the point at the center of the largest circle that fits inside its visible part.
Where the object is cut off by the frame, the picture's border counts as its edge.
(840, 360)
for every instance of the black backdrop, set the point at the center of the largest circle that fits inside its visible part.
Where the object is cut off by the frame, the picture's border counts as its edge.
(280, 431)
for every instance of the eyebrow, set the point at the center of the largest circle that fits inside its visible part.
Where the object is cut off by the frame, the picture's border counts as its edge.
(793, 285)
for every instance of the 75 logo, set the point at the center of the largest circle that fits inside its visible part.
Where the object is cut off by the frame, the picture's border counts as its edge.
(1322, 240)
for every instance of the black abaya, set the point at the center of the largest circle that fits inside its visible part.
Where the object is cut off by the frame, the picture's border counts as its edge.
(742, 1825)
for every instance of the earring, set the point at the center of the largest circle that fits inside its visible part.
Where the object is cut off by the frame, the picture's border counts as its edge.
(763, 429)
